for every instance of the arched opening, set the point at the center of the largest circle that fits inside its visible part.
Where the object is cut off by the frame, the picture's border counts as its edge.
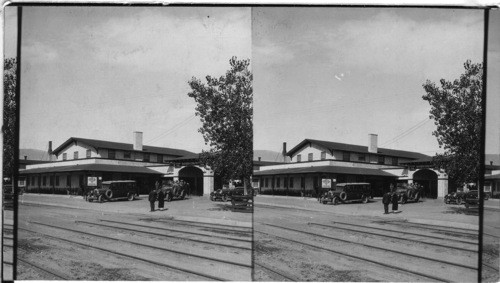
(428, 180)
(194, 176)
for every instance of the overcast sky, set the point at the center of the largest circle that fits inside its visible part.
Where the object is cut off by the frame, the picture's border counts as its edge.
(333, 73)
(339, 74)
(104, 72)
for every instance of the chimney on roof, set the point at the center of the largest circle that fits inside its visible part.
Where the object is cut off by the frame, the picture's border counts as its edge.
(50, 151)
(138, 141)
(25, 157)
(260, 158)
(285, 159)
(372, 143)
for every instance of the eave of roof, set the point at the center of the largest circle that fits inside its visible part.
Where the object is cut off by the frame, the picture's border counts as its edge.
(325, 169)
(358, 148)
(264, 163)
(123, 146)
(91, 167)
(492, 177)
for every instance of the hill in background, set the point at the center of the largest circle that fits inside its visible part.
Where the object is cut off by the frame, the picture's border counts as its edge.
(33, 154)
(267, 155)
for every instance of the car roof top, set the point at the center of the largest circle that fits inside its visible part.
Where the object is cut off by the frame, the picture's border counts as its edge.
(343, 184)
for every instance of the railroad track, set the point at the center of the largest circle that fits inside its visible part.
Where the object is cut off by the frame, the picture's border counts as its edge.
(212, 226)
(313, 236)
(436, 228)
(50, 272)
(166, 235)
(124, 255)
(287, 277)
(367, 230)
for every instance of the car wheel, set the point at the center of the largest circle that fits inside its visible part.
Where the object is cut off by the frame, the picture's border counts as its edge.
(335, 201)
(100, 199)
(459, 200)
(365, 199)
(224, 198)
(131, 197)
(343, 196)
(212, 198)
(169, 197)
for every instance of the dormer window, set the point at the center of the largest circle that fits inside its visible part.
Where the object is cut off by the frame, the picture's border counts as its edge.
(310, 157)
(323, 155)
(362, 157)
(381, 159)
(111, 154)
(299, 158)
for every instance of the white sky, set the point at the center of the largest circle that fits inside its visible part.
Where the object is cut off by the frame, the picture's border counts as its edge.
(339, 74)
(104, 72)
(326, 73)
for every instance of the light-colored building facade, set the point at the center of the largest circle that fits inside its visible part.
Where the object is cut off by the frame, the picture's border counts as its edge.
(314, 162)
(79, 160)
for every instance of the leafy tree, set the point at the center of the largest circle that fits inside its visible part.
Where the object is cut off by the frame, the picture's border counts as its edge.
(225, 108)
(456, 109)
(9, 115)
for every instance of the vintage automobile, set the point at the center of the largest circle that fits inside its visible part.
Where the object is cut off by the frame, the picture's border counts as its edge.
(223, 194)
(112, 190)
(240, 200)
(173, 191)
(455, 197)
(408, 193)
(471, 198)
(348, 192)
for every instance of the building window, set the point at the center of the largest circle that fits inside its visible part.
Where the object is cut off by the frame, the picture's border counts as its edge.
(291, 182)
(395, 161)
(39, 180)
(75, 155)
(33, 180)
(51, 180)
(362, 157)
(310, 157)
(381, 159)
(160, 158)
(65, 156)
(285, 182)
(127, 155)
(323, 155)
(27, 181)
(111, 154)
(346, 156)
(315, 182)
(267, 182)
(89, 153)
(57, 180)
(44, 180)
(302, 182)
(299, 158)
(146, 157)
(277, 182)
(68, 180)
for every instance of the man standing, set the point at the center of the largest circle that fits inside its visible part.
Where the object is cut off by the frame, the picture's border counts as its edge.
(161, 199)
(152, 199)
(386, 199)
(395, 199)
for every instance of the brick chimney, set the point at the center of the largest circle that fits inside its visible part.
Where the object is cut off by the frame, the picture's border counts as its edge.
(50, 151)
(138, 141)
(372, 143)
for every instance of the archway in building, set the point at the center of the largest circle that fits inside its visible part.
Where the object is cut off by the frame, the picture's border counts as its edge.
(194, 176)
(428, 180)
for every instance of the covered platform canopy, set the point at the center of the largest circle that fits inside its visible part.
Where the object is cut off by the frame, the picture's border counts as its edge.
(91, 167)
(325, 169)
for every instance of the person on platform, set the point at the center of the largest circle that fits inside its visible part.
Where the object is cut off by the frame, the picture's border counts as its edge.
(161, 199)
(386, 200)
(394, 200)
(152, 199)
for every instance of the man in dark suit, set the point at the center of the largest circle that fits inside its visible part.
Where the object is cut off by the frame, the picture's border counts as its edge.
(152, 199)
(386, 200)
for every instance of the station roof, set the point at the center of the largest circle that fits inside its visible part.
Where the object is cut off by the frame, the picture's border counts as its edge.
(492, 177)
(123, 146)
(325, 169)
(91, 167)
(357, 148)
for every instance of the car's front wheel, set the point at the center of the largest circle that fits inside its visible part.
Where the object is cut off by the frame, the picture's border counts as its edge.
(224, 198)
(169, 197)
(335, 201)
(100, 198)
(365, 199)
(131, 197)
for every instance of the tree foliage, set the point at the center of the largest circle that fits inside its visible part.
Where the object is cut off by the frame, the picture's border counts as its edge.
(456, 109)
(9, 115)
(225, 108)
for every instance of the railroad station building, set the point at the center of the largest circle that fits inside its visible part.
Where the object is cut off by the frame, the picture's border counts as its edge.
(315, 165)
(80, 164)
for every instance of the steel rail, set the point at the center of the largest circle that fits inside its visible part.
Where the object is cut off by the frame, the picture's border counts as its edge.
(8, 262)
(129, 256)
(436, 229)
(409, 233)
(277, 272)
(46, 270)
(358, 257)
(489, 266)
(213, 224)
(375, 247)
(147, 246)
(202, 225)
(491, 235)
(399, 238)
(168, 236)
(172, 230)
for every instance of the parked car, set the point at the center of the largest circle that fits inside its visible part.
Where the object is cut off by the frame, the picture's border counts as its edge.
(406, 193)
(221, 194)
(471, 198)
(113, 190)
(348, 192)
(173, 192)
(455, 197)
